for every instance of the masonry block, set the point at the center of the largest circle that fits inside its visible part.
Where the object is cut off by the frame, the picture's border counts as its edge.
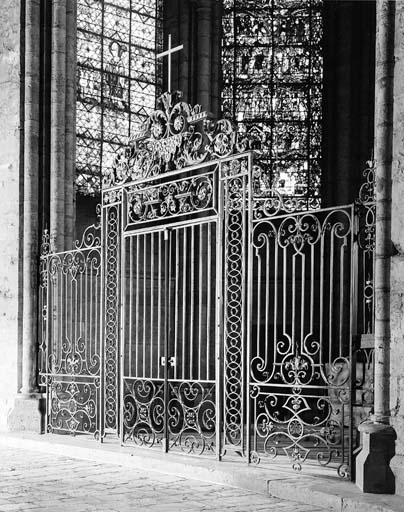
(27, 414)
(373, 472)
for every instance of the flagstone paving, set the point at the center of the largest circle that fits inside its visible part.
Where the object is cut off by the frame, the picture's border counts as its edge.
(32, 481)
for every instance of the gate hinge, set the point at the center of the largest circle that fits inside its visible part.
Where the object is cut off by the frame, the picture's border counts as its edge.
(171, 361)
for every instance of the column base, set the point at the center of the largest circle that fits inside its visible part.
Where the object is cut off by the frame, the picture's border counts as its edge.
(373, 472)
(28, 414)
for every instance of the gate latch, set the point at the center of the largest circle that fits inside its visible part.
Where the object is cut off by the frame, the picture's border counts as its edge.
(170, 363)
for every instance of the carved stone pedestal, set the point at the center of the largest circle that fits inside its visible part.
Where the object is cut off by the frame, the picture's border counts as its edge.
(373, 472)
(27, 414)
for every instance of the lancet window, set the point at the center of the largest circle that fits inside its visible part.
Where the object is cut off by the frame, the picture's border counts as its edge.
(118, 79)
(272, 88)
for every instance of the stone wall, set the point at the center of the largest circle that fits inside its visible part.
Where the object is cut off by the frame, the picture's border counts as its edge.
(9, 201)
(397, 266)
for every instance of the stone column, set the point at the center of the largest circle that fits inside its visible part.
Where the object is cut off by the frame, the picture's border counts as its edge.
(26, 413)
(204, 68)
(70, 165)
(58, 124)
(216, 60)
(11, 214)
(373, 473)
(348, 98)
(185, 55)
(171, 8)
(31, 189)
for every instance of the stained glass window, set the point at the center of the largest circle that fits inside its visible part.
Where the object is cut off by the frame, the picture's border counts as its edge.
(118, 79)
(272, 88)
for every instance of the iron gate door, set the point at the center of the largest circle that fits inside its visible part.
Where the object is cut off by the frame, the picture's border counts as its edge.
(169, 338)
(168, 311)
(70, 350)
(300, 353)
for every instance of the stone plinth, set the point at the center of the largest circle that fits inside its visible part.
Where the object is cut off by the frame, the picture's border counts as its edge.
(27, 414)
(373, 472)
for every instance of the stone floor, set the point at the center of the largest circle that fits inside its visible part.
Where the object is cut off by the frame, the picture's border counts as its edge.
(32, 481)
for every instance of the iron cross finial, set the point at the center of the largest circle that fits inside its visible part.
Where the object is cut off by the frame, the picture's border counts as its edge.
(169, 52)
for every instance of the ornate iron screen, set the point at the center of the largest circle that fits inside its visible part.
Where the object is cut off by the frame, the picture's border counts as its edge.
(272, 88)
(118, 80)
(166, 195)
(70, 301)
(210, 317)
(301, 334)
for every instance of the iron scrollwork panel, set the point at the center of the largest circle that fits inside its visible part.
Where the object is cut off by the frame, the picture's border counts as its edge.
(43, 321)
(70, 334)
(111, 277)
(191, 417)
(143, 412)
(172, 200)
(73, 405)
(235, 177)
(189, 413)
(366, 217)
(301, 348)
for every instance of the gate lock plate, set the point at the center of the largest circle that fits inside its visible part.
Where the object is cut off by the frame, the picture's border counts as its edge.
(170, 363)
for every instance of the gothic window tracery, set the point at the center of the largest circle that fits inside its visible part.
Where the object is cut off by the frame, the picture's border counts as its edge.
(272, 88)
(118, 79)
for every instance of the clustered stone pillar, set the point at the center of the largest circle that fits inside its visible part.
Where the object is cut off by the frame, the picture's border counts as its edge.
(26, 414)
(348, 97)
(63, 122)
(373, 472)
(196, 70)
(204, 16)
(58, 124)
(71, 87)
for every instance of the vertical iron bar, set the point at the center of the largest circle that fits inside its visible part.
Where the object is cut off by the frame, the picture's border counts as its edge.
(120, 346)
(130, 306)
(352, 325)
(258, 295)
(341, 295)
(151, 302)
(302, 299)
(276, 266)
(219, 315)
(159, 288)
(208, 299)
(184, 297)
(248, 220)
(321, 279)
(176, 277)
(137, 327)
(49, 327)
(191, 334)
(166, 333)
(267, 303)
(144, 303)
(331, 291)
(293, 313)
(102, 324)
(200, 249)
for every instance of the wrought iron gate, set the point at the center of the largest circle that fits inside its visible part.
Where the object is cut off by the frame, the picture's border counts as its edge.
(208, 316)
(169, 305)
(70, 306)
(301, 341)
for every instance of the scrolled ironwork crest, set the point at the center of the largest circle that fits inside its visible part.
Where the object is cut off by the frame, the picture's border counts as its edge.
(174, 136)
